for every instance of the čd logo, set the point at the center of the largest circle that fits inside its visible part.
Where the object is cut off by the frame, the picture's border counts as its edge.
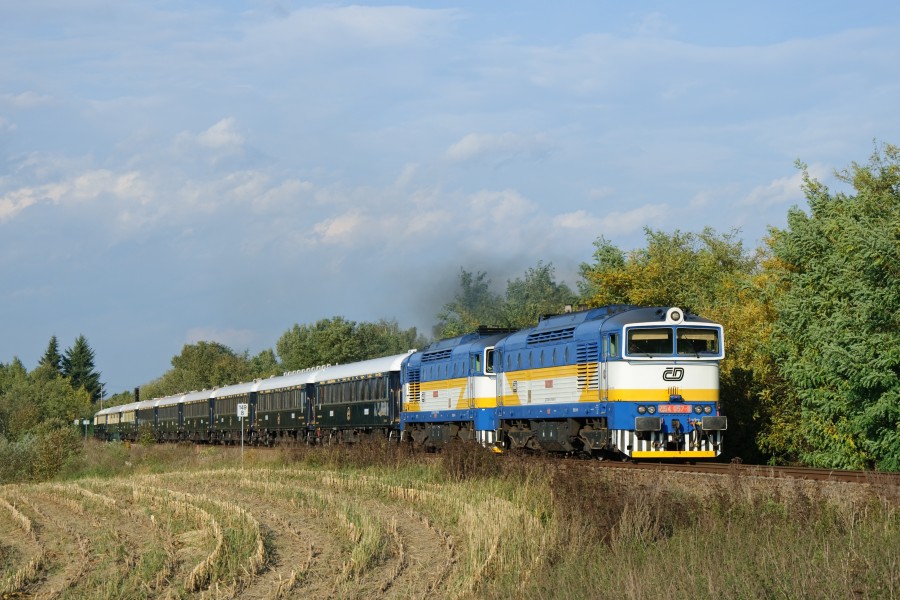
(673, 374)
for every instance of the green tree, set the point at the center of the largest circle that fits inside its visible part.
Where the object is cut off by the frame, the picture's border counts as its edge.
(475, 304)
(838, 326)
(28, 399)
(328, 341)
(534, 295)
(78, 366)
(265, 364)
(206, 365)
(338, 340)
(385, 337)
(52, 359)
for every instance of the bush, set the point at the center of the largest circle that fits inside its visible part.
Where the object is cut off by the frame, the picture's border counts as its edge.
(39, 454)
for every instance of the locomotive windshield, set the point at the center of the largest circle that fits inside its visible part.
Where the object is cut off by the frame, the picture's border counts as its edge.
(666, 341)
(694, 342)
(650, 342)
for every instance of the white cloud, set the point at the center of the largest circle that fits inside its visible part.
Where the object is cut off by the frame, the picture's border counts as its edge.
(221, 136)
(781, 191)
(82, 188)
(341, 229)
(25, 100)
(354, 26)
(611, 224)
(497, 147)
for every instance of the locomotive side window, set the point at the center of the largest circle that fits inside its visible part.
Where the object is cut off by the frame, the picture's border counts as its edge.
(694, 342)
(650, 342)
(489, 360)
(614, 344)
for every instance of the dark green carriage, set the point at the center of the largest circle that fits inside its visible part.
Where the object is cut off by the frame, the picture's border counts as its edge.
(282, 408)
(196, 416)
(226, 423)
(357, 400)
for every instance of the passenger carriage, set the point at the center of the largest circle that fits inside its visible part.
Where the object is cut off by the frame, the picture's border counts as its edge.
(282, 410)
(226, 425)
(358, 399)
(196, 416)
(168, 418)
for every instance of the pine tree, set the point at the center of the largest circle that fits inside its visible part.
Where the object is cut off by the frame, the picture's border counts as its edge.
(52, 358)
(78, 366)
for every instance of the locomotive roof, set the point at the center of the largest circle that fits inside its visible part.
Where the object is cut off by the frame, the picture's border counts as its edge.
(584, 325)
(650, 314)
(454, 347)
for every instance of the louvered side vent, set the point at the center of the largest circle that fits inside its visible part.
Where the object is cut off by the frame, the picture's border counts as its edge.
(414, 376)
(437, 355)
(542, 337)
(587, 367)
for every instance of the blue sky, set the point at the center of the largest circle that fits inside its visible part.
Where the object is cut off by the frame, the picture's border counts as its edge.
(182, 171)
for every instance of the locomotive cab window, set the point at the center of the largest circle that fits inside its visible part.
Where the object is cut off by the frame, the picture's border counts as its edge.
(650, 342)
(488, 360)
(697, 342)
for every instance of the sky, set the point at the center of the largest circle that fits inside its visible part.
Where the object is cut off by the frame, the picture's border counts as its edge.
(218, 170)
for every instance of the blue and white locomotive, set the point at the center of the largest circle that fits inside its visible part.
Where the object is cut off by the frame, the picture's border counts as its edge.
(619, 381)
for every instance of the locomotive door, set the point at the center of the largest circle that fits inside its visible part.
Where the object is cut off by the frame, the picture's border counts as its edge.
(474, 369)
(604, 370)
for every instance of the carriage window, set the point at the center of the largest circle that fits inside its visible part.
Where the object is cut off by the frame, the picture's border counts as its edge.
(650, 342)
(694, 342)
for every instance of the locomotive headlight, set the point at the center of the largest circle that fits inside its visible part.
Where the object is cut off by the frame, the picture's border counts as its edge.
(698, 409)
(642, 409)
(651, 409)
(707, 409)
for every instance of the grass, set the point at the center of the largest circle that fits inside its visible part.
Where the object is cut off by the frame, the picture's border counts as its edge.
(497, 527)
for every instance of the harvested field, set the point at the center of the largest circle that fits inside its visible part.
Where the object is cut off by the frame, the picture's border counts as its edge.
(379, 524)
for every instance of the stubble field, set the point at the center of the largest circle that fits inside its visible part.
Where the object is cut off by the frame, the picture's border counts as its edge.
(376, 522)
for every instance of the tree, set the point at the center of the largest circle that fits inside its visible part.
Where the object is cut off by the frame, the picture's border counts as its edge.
(536, 294)
(328, 341)
(338, 340)
(28, 399)
(475, 304)
(52, 359)
(207, 365)
(838, 329)
(78, 366)
(386, 337)
(265, 364)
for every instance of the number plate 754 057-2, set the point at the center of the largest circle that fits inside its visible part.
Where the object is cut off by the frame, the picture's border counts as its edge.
(674, 408)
